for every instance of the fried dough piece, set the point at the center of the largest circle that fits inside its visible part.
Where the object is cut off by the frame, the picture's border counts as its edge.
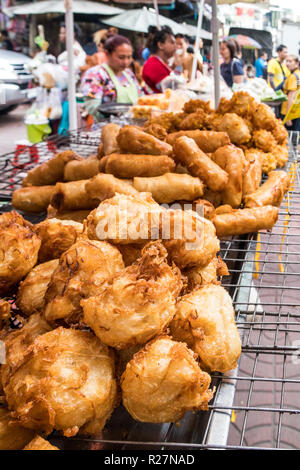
(194, 120)
(138, 303)
(203, 207)
(271, 192)
(281, 154)
(72, 196)
(236, 128)
(5, 314)
(136, 141)
(109, 134)
(269, 162)
(252, 177)
(76, 216)
(280, 133)
(156, 130)
(81, 169)
(170, 187)
(264, 117)
(169, 121)
(264, 140)
(197, 277)
(232, 160)
(130, 165)
(192, 106)
(20, 246)
(207, 141)
(38, 443)
(12, 435)
(131, 252)
(163, 381)
(50, 172)
(224, 106)
(243, 104)
(82, 270)
(204, 320)
(64, 382)
(31, 292)
(104, 186)
(32, 198)
(56, 236)
(199, 164)
(241, 221)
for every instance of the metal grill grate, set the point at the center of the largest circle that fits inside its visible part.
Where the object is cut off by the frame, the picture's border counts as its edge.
(256, 406)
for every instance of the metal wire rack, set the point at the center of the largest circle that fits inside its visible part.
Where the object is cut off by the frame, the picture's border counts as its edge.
(256, 406)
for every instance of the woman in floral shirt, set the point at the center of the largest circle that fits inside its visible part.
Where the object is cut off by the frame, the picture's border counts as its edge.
(112, 81)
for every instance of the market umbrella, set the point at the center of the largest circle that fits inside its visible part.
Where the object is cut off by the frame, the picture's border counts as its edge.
(245, 41)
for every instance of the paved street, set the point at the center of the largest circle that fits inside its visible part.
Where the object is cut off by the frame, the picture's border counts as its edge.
(12, 128)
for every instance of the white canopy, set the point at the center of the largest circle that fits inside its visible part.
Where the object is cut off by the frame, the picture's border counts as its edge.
(57, 6)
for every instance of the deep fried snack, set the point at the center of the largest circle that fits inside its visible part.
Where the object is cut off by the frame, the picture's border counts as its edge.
(76, 216)
(131, 252)
(203, 207)
(82, 270)
(269, 162)
(138, 303)
(224, 106)
(130, 165)
(64, 382)
(144, 111)
(50, 172)
(100, 151)
(31, 292)
(271, 192)
(236, 128)
(32, 198)
(170, 187)
(264, 140)
(81, 169)
(169, 121)
(243, 104)
(232, 160)
(264, 117)
(163, 381)
(72, 196)
(210, 274)
(199, 164)
(214, 197)
(20, 246)
(207, 141)
(38, 443)
(281, 154)
(252, 177)
(190, 239)
(12, 435)
(104, 186)
(134, 140)
(5, 314)
(241, 221)
(156, 130)
(56, 236)
(280, 133)
(194, 120)
(192, 106)
(109, 134)
(204, 320)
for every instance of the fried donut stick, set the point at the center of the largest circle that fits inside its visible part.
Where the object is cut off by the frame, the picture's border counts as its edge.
(241, 221)
(82, 169)
(130, 165)
(207, 141)
(199, 164)
(109, 134)
(104, 186)
(33, 198)
(50, 172)
(131, 139)
(271, 192)
(170, 187)
(72, 196)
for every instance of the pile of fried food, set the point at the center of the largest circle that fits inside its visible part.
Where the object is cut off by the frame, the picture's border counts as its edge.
(148, 105)
(118, 292)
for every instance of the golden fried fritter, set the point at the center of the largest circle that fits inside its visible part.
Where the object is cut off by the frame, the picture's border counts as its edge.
(19, 247)
(163, 381)
(38, 443)
(264, 140)
(64, 382)
(194, 120)
(281, 154)
(264, 117)
(56, 236)
(12, 435)
(138, 303)
(169, 121)
(82, 269)
(280, 133)
(205, 321)
(5, 312)
(243, 104)
(192, 106)
(132, 139)
(31, 292)
(156, 130)
(236, 128)
(131, 252)
(224, 106)
(210, 274)
(269, 161)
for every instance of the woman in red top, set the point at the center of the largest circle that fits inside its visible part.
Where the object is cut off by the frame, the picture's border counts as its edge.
(156, 68)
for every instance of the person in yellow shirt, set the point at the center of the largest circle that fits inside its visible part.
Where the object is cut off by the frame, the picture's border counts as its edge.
(277, 70)
(290, 88)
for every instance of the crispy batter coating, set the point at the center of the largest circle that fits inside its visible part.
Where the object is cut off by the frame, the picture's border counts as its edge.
(269, 161)
(5, 314)
(271, 192)
(130, 165)
(38, 443)
(205, 321)
(104, 186)
(243, 104)
(281, 154)
(224, 106)
(252, 177)
(50, 172)
(131, 252)
(264, 117)
(280, 133)
(76, 216)
(264, 140)
(82, 269)
(169, 121)
(109, 134)
(72, 196)
(81, 169)
(56, 236)
(163, 381)
(156, 130)
(12, 435)
(210, 274)
(194, 120)
(236, 128)
(207, 141)
(33, 198)
(131, 139)
(31, 292)
(192, 106)
(64, 382)
(19, 249)
(138, 303)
